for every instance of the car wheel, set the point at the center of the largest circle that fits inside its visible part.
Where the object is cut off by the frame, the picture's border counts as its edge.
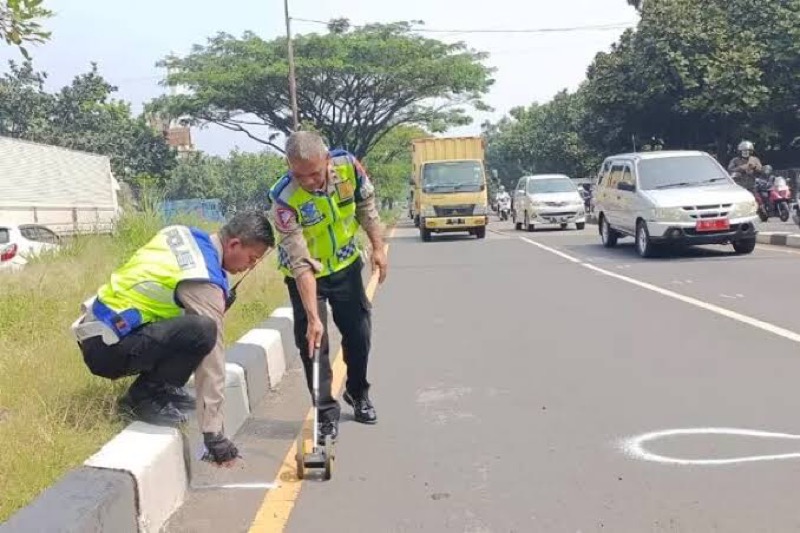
(644, 245)
(517, 224)
(607, 235)
(744, 246)
(528, 225)
(580, 225)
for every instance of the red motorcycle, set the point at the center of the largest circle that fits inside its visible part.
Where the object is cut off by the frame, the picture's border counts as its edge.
(773, 201)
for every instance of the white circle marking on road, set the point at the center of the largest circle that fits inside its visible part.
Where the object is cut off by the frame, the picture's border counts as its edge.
(634, 446)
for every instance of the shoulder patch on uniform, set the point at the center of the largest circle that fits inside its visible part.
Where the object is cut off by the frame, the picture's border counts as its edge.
(284, 218)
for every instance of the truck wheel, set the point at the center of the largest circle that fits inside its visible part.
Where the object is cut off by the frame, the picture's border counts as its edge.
(480, 232)
(416, 221)
(744, 246)
(425, 234)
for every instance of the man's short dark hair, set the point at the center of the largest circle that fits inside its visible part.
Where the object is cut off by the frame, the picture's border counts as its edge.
(251, 227)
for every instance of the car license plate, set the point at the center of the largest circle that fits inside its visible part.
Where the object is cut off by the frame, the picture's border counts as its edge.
(452, 221)
(717, 224)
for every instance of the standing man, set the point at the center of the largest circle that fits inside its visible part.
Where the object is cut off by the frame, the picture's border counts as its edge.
(317, 208)
(160, 317)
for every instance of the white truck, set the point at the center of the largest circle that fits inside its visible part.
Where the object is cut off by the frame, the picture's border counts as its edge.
(65, 190)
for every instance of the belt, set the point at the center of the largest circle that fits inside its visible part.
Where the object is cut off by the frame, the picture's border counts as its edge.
(87, 326)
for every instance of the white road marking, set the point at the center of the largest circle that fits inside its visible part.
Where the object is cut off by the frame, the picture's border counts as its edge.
(750, 321)
(259, 486)
(634, 446)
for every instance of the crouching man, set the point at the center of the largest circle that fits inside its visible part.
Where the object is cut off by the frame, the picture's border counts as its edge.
(160, 317)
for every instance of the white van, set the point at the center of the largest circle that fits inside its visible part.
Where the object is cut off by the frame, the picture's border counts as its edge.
(547, 199)
(673, 197)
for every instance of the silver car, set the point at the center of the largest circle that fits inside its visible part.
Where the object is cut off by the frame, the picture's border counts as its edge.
(544, 199)
(673, 197)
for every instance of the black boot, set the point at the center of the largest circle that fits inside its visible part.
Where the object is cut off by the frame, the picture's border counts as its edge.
(144, 402)
(363, 410)
(178, 397)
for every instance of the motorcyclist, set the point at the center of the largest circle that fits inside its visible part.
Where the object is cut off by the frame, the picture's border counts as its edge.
(502, 195)
(746, 163)
(503, 200)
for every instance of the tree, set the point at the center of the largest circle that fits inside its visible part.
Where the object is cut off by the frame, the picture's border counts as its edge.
(354, 86)
(389, 162)
(543, 138)
(83, 116)
(241, 181)
(24, 106)
(19, 23)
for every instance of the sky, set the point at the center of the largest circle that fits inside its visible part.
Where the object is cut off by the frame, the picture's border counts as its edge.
(128, 39)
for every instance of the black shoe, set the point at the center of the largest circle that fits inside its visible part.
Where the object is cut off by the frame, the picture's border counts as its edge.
(153, 410)
(178, 397)
(327, 427)
(363, 410)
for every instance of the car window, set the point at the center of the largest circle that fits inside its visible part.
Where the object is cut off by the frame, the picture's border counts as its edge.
(614, 176)
(521, 185)
(679, 171)
(627, 176)
(29, 232)
(603, 172)
(548, 185)
(46, 235)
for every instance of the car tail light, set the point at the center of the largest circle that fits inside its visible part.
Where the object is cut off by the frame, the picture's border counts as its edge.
(8, 253)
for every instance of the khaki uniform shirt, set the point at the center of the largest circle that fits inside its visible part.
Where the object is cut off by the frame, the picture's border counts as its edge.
(206, 299)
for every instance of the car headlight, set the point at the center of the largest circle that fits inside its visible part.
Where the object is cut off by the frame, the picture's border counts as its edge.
(745, 209)
(428, 211)
(670, 214)
(479, 209)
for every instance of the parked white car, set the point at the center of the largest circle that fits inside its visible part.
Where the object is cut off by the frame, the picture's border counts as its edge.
(18, 243)
(547, 199)
(673, 197)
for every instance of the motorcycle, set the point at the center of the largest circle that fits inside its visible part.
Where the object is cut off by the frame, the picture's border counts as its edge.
(777, 200)
(504, 208)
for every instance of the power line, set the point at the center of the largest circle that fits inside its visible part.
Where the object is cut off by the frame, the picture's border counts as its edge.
(609, 26)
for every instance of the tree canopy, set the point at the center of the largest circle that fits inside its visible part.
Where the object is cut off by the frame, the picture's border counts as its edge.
(19, 23)
(353, 84)
(82, 116)
(700, 74)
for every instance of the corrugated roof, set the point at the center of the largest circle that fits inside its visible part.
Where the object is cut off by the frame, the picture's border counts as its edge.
(40, 174)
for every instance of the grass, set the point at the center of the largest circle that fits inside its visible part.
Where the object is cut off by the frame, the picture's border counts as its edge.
(53, 412)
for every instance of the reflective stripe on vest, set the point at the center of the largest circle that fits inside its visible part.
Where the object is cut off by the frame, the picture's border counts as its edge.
(143, 290)
(329, 222)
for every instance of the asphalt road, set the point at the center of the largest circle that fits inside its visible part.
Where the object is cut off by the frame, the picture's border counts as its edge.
(509, 372)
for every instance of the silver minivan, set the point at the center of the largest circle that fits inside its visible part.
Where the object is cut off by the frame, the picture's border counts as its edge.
(544, 199)
(673, 197)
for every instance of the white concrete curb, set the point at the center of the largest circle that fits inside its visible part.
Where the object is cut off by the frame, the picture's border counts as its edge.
(154, 457)
(236, 408)
(270, 341)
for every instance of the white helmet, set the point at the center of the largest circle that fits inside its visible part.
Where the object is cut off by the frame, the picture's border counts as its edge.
(746, 146)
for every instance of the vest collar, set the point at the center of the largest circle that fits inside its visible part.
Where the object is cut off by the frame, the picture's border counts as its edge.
(217, 243)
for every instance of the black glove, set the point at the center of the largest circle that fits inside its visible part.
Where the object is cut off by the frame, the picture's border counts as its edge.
(230, 299)
(219, 449)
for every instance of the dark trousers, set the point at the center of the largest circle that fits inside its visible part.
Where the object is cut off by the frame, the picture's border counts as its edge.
(161, 352)
(344, 290)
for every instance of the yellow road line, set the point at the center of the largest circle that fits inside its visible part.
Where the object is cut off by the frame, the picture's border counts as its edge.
(273, 515)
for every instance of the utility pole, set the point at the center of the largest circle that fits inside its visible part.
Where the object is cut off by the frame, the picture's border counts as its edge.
(292, 81)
